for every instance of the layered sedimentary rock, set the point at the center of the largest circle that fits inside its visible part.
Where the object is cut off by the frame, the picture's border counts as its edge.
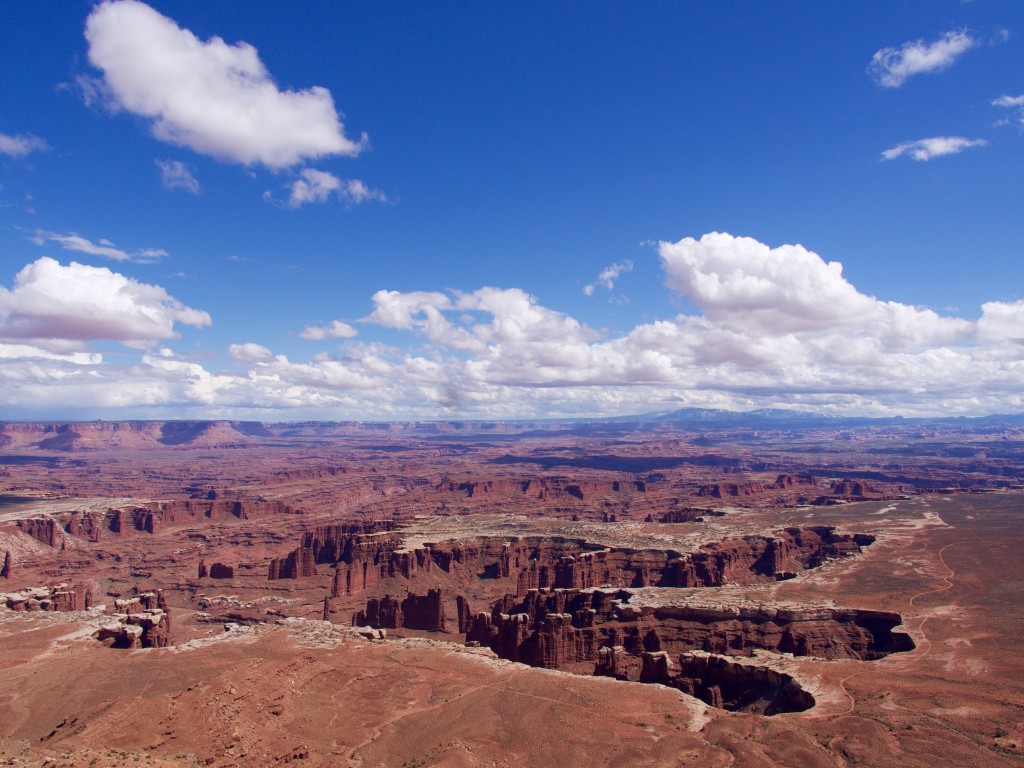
(364, 555)
(727, 684)
(350, 544)
(99, 435)
(43, 529)
(62, 597)
(93, 525)
(564, 628)
(142, 621)
(424, 612)
(541, 489)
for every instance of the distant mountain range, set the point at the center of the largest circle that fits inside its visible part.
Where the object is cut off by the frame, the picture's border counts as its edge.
(97, 435)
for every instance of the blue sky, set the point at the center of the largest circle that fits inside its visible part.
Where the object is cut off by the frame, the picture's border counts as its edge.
(504, 210)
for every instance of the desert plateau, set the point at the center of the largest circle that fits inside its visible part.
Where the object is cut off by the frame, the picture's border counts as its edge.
(670, 592)
(511, 384)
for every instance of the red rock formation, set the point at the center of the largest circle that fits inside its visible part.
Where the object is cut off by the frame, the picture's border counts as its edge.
(465, 614)
(727, 684)
(546, 488)
(721, 490)
(5, 572)
(788, 481)
(425, 612)
(99, 435)
(561, 628)
(42, 529)
(142, 621)
(203, 571)
(221, 571)
(297, 565)
(92, 525)
(62, 597)
(353, 548)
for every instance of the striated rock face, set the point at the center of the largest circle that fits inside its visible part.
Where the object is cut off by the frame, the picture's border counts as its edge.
(42, 529)
(727, 684)
(564, 628)
(547, 488)
(465, 614)
(351, 547)
(424, 612)
(94, 525)
(364, 555)
(298, 564)
(62, 597)
(142, 621)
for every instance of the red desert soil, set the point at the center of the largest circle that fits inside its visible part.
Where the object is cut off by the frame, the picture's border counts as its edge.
(254, 676)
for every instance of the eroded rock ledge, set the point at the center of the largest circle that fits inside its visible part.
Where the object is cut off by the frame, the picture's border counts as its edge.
(364, 555)
(566, 628)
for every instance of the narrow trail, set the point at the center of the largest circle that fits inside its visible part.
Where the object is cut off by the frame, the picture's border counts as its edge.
(949, 579)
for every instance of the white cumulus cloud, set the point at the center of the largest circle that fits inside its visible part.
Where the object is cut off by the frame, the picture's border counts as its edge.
(336, 329)
(249, 352)
(891, 67)
(215, 98)
(60, 306)
(1011, 102)
(174, 174)
(21, 145)
(608, 276)
(936, 146)
(104, 248)
(315, 186)
(771, 327)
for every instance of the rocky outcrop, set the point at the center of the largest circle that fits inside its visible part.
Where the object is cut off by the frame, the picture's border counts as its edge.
(221, 571)
(727, 684)
(141, 621)
(5, 571)
(102, 435)
(685, 515)
(351, 547)
(43, 529)
(563, 628)
(362, 559)
(541, 489)
(722, 490)
(62, 597)
(790, 481)
(94, 525)
(464, 613)
(424, 612)
(297, 565)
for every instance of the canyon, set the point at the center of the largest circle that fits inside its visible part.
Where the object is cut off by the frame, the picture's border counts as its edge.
(749, 594)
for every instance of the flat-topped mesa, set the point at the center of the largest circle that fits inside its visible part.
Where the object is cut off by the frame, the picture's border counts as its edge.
(565, 628)
(105, 435)
(424, 612)
(62, 597)
(745, 560)
(362, 559)
(543, 488)
(150, 517)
